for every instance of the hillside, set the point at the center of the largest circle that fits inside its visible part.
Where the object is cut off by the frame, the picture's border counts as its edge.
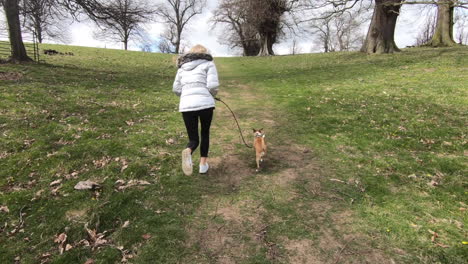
(367, 160)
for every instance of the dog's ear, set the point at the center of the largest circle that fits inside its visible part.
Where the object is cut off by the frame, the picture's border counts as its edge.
(254, 130)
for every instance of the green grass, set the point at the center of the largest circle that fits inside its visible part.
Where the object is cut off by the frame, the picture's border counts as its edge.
(392, 122)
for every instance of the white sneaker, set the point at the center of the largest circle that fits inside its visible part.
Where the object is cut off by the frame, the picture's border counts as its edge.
(187, 162)
(204, 168)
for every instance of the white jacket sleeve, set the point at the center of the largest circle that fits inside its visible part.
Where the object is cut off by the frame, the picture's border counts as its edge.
(177, 86)
(212, 81)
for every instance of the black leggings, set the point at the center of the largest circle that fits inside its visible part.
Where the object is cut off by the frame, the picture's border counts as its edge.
(191, 123)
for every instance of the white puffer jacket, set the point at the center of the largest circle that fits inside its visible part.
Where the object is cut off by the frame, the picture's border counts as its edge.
(196, 83)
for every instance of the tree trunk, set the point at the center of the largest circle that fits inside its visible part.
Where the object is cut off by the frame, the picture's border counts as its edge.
(251, 48)
(39, 33)
(266, 45)
(443, 35)
(380, 37)
(18, 51)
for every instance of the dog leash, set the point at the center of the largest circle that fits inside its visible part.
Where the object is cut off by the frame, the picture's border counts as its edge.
(238, 126)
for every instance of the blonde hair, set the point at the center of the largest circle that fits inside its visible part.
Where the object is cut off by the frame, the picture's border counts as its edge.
(198, 49)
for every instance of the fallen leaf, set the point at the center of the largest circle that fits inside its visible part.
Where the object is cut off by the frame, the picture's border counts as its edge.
(146, 236)
(57, 182)
(170, 141)
(89, 261)
(68, 247)
(61, 238)
(433, 183)
(55, 190)
(434, 235)
(126, 224)
(119, 182)
(129, 123)
(87, 185)
(4, 208)
(441, 245)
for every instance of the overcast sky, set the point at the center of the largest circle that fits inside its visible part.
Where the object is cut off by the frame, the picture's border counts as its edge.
(199, 31)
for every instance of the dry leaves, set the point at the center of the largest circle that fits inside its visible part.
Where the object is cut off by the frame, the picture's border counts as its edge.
(122, 185)
(146, 236)
(4, 208)
(87, 185)
(10, 76)
(56, 182)
(61, 240)
(95, 239)
(102, 162)
(434, 235)
(124, 163)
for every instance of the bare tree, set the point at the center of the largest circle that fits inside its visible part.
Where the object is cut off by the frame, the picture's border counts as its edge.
(323, 34)
(461, 22)
(443, 33)
(45, 18)
(267, 18)
(165, 46)
(125, 20)
(12, 12)
(340, 32)
(295, 49)
(176, 14)
(427, 30)
(240, 33)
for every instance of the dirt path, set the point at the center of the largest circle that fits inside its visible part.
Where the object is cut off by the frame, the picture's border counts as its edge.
(282, 214)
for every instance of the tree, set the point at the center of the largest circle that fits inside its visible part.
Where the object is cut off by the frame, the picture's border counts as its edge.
(124, 21)
(266, 18)
(322, 31)
(42, 17)
(427, 31)
(240, 32)
(340, 32)
(18, 50)
(381, 34)
(443, 34)
(176, 14)
(461, 21)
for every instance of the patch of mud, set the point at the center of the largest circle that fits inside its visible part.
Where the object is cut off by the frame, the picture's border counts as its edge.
(229, 171)
(302, 252)
(231, 213)
(10, 76)
(76, 215)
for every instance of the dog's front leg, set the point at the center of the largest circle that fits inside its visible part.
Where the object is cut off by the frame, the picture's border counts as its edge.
(258, 158)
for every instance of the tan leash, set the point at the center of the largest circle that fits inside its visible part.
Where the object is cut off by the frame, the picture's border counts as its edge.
(235, 118)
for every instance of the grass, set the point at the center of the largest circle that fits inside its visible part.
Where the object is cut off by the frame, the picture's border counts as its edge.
(393, 126)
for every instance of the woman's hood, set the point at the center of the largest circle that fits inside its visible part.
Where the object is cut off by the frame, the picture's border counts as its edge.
(192, 60)
(192, 65)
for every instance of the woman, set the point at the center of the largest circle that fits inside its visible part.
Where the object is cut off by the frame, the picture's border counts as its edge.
(196, 83)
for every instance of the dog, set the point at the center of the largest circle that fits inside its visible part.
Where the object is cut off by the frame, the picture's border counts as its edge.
(259, 146)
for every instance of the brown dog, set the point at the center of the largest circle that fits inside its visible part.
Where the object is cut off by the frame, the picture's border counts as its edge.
(260, 146)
